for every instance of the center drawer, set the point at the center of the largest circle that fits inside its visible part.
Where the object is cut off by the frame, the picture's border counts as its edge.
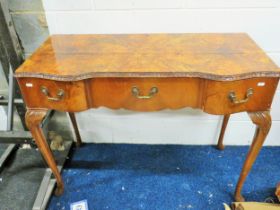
(145, 94)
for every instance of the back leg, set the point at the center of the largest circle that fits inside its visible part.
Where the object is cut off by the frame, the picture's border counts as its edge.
(75, 127)
(222, 133)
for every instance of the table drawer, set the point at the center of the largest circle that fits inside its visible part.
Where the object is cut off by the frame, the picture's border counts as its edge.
(145, 94)
(58, 95)
(150, 94)
(236, 96)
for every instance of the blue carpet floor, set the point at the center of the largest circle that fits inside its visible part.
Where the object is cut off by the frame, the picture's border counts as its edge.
(165, 177)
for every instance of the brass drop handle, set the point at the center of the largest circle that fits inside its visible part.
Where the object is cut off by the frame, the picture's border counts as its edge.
(60, 94)
(136, 92)
(233, 99)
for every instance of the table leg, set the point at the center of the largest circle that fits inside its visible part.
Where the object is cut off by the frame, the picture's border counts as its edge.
(263, 123)
(277, 192)
(33, 119)
(76, 129)
(222, 133)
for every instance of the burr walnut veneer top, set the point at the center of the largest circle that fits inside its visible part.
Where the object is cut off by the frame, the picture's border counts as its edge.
(212, 56)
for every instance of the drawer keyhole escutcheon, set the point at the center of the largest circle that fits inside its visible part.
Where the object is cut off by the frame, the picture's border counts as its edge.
(136, 92)
(233, 99)
(60, 94)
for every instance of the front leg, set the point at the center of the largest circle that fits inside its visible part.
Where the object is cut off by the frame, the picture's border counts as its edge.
(34, 119)
(263, 123)
(277, 192)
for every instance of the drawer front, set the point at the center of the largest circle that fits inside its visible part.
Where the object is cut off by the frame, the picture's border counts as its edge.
(236, 96)
(145, 94)
(150, 94)
(63, 96)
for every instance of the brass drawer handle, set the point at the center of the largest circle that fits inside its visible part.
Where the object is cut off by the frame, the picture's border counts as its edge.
(60, 94)
(136, 92)
(233, 99)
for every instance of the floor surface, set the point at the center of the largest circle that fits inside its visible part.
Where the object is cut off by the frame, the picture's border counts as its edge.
(151, 177)
(20, 179)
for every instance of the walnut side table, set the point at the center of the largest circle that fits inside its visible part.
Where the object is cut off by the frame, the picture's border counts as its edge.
(220, 74)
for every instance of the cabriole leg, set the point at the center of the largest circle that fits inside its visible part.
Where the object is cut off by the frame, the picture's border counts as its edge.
(34, 119)
(263, 123)
(222, 133)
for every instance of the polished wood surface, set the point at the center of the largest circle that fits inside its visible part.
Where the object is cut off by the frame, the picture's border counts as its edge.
(222, 133)
(217, 95)
(33, 120)
(217, 73)
(277, 191)
(263, 123)
(211, 56)
(76, 129)
(173, 93)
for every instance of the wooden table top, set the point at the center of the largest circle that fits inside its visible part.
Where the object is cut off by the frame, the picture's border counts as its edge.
(221, 57)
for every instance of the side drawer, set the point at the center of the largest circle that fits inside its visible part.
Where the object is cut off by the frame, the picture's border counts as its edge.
(254, 94)
(58, 95)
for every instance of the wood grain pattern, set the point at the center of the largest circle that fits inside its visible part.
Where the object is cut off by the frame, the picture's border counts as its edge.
(73, 100)
(220, 144)
(34, 119)
(75, 128)
(173, 93)
(217, 100)
(187, 70)
(263, 124)
(277, 191)
(221, 57)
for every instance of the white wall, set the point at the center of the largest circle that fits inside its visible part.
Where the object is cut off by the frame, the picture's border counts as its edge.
(259, 18)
